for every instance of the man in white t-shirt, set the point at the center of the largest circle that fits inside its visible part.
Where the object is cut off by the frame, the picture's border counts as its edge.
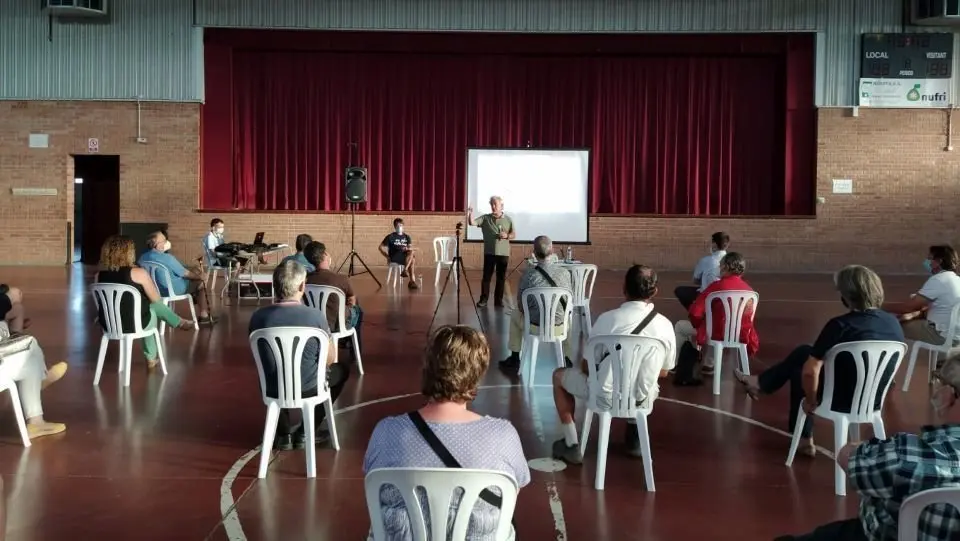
(570, 384)
(707, 270)
(926, 316)
(213, 239)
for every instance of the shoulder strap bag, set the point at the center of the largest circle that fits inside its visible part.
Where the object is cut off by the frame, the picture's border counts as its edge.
(552, 282)
(636, 330)
(449, 461)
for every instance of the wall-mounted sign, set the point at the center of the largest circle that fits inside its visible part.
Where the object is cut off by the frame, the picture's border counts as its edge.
(93, 145)
(901, 93)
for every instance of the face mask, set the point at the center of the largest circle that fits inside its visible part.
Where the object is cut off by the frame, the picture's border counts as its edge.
(928, 265)
(399, 229)
(166, 246)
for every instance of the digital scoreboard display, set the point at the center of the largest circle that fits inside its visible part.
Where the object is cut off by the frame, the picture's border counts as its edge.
(907, 56)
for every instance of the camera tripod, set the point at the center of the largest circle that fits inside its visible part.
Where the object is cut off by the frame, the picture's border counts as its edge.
(456, 266)
(353, 256)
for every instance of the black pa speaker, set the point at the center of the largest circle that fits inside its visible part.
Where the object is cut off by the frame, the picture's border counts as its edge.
(355, 183)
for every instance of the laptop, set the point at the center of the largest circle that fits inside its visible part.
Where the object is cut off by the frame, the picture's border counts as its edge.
(258, 239)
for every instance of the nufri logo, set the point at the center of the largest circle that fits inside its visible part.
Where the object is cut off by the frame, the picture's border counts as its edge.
(914, 95)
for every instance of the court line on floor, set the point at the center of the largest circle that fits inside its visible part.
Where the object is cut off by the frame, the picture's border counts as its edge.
(230, 519)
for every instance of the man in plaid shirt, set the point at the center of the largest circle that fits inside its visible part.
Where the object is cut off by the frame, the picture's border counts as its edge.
(885, 472)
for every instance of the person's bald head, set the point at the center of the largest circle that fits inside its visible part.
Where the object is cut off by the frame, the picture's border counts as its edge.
(640, 283)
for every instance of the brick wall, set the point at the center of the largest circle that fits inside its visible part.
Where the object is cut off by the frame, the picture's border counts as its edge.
(906, 190)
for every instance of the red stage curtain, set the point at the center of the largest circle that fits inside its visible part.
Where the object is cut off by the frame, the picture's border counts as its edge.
(685, 135)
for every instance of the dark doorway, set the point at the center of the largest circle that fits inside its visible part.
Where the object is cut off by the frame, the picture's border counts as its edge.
(96, 204)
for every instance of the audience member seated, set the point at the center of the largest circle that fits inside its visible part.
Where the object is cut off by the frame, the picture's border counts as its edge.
(886, 472)
(11, 308)
(316, 253)
(635, 316)
(456, 360)
(546, 273)
(289, 279)
(861, 292)
(302, 241)
(24, 363)
(707, 270)
(185, 281)
(926, 316)
(732, 267)
(213, 239)
(397, 247)
(117, 267)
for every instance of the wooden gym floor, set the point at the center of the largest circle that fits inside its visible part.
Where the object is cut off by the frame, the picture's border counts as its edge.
(174, 457)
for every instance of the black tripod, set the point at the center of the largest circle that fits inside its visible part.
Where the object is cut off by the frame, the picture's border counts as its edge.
(353, 256)
(456, 267)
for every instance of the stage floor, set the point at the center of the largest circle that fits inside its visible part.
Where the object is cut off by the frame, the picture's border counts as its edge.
(174, 457)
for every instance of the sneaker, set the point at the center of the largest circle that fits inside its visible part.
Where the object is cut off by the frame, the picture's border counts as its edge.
(567, 453)
(54, 373)
(300, 438)
(482, 303)
(39, 430)
(510, 365)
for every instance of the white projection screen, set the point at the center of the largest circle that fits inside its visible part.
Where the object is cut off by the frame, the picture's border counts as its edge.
(543, 191)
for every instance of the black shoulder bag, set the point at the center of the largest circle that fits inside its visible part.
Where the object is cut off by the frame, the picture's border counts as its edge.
(449, 461)
(548, 278)
(636, 330)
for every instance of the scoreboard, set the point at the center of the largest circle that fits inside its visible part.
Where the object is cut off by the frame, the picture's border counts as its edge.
(907, 56)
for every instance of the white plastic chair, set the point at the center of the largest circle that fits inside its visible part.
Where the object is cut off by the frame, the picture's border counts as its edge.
(735, 304)
(914, 505)
(161, 275)
(440, 485)
(394, 270)
(872, 359)
(584, 275)
(627, 353)
(214, 267)
(7, 384)
(933, 350)
(317, 296)
(548, 300)
(108, 298)
(286, 345)
(443, 248)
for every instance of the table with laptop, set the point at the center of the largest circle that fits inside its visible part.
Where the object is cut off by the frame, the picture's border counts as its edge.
(246, 260)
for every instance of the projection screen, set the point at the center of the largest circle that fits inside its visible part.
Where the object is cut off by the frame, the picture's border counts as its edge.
(543, 191)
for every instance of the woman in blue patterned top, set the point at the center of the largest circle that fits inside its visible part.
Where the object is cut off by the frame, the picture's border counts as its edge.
(456, 360)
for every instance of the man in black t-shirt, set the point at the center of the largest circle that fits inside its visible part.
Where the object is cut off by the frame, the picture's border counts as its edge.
(397, 247)
(861, 292)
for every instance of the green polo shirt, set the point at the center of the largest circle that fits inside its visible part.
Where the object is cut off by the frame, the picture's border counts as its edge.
(491, 228)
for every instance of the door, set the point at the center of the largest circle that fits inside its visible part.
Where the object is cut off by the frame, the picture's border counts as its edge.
(96, 203)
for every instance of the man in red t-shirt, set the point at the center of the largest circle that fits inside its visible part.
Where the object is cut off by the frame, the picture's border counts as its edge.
(732, 267)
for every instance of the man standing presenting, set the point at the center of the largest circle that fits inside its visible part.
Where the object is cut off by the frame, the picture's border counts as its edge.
(497, 229)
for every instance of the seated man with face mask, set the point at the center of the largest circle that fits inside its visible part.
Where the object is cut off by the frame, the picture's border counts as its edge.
(184, 280)
(397, 247)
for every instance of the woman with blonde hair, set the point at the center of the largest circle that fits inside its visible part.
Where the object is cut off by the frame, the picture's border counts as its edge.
(455, 362)
(118, 266)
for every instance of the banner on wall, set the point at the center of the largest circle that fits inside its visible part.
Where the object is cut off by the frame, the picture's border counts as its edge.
(905, 93)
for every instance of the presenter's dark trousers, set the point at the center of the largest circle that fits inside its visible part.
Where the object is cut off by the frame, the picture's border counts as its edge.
(686, 295)
(490, 263)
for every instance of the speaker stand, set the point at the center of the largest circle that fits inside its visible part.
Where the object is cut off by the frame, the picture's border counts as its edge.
(353, 256)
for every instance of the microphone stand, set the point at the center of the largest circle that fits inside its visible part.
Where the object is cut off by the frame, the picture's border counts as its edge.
(456, 267)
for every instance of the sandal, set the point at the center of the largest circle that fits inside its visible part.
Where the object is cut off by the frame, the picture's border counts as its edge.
(752, 391)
